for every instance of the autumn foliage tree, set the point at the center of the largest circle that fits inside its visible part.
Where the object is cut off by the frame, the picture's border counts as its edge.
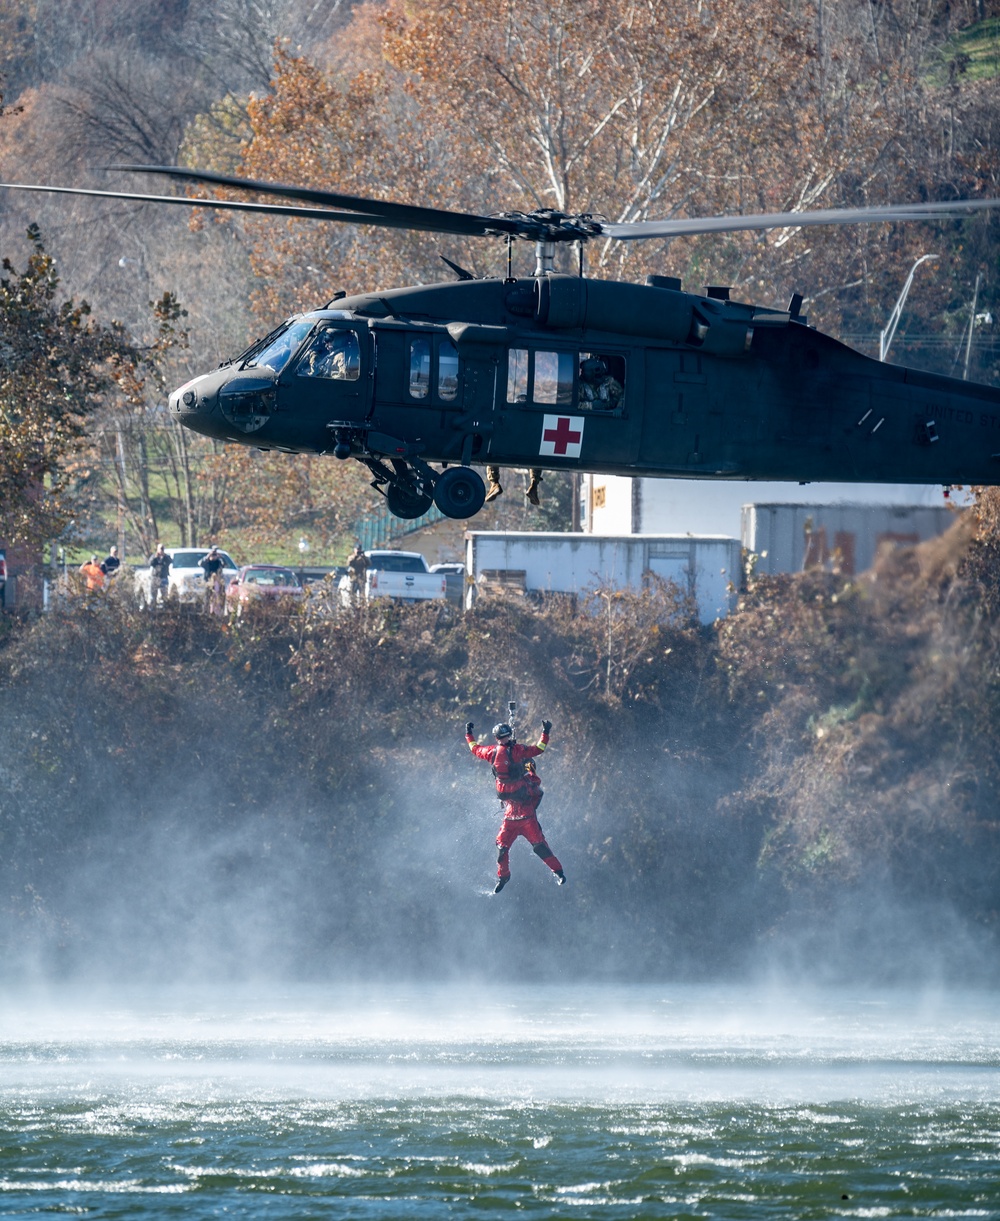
(627, 109)
(56, 367)
(635, 109)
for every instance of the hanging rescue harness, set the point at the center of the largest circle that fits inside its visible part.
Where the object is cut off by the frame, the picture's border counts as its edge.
(510, 770)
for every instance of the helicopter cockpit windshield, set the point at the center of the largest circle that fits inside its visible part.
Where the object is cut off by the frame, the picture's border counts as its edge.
(280, 346)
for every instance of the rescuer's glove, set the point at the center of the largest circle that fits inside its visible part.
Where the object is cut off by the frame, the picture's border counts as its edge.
(546, 726)
(469, 727)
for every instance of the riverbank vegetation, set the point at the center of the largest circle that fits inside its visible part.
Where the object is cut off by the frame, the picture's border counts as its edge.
(815, 776)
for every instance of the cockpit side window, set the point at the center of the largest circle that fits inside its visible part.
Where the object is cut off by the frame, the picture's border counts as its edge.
(276, 354)
(332, 354)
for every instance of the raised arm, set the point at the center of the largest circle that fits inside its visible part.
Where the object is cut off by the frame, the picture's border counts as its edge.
(481, 752)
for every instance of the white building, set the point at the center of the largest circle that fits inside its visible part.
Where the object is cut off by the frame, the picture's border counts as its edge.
(618, 504)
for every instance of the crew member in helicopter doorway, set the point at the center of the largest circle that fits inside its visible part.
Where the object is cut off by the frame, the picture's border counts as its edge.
(520, 789)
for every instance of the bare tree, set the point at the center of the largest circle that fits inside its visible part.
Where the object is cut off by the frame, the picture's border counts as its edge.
(114, 108)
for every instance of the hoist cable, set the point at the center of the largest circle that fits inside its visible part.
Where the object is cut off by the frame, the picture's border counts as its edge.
(507, 631)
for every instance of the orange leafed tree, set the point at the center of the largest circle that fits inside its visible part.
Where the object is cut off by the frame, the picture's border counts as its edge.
(637, 109)
(627, 109)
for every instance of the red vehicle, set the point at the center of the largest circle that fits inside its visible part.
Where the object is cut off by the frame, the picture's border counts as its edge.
(262, 583)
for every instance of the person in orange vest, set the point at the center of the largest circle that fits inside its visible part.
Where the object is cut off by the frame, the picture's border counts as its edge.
(93, 574)
(520, 789)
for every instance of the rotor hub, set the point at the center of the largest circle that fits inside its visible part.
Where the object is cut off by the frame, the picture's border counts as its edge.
(548, 225)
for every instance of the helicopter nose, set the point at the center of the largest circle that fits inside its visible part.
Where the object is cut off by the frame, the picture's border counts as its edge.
(184, 400)
(191, 398)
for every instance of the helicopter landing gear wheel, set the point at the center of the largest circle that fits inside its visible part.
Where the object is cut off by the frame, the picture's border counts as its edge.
(459, 492)
(405, 502)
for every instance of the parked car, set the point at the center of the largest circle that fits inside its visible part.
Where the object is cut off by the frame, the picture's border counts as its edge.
(455, 580)
(262, 584)
(403, 575)
(187, 578)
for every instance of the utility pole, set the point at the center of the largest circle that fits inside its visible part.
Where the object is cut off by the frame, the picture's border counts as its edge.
(972, 327)
(120, 463)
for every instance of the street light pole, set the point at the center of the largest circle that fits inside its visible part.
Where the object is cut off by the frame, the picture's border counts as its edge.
(886, 337)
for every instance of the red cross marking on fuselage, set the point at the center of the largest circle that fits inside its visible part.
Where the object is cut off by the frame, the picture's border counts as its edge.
(561, 436)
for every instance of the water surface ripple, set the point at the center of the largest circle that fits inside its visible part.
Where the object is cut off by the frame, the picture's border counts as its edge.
(643, 1102)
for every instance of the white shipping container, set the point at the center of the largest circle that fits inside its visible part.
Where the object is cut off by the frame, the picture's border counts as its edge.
(791, 537)
(707, 567)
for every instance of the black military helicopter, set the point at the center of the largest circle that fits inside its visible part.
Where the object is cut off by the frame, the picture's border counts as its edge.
(563, 372)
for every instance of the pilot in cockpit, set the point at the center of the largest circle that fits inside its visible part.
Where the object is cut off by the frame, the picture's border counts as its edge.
(332, 354)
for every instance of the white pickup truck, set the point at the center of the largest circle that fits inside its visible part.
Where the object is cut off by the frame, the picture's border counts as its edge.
(186, 582)
(403, 575)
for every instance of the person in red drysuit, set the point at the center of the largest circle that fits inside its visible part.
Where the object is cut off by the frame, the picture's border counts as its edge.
(520, 788)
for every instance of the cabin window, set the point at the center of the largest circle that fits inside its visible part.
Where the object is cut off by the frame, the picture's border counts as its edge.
(332, 354)
(447, 382)
(594, 381)
(517, 375)
(602, 381)
(420, 368)
(554, 378)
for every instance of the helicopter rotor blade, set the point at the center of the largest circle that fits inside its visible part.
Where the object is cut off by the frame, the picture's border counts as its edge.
(682, 226)
(533, 226)
(410, 216)
(232, 205)
(226, 204)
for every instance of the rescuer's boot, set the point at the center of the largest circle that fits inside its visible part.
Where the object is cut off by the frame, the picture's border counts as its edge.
(560, 878)
(501, 883)
(493, 475)
(532, 492)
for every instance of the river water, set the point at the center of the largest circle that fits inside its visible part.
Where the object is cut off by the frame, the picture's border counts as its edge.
(593, 1102)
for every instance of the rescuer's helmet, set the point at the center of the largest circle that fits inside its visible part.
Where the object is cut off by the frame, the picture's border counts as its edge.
(503, 730)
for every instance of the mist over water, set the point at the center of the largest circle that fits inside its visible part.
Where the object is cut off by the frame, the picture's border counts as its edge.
(179, 802)
(217, 872)
(240, 1009)
(199, 888)
(383, 1037)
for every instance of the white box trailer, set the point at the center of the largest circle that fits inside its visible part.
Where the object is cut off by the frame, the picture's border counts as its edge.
(792, 537)
(708, 567)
